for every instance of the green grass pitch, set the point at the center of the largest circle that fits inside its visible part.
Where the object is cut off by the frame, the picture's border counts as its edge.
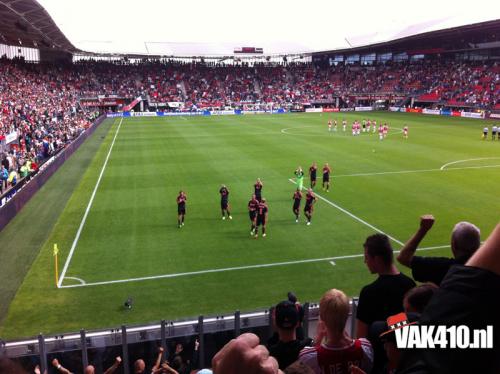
(130, 244)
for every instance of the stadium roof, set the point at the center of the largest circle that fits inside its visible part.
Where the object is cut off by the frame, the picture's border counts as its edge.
(217, 27)
(26, 23)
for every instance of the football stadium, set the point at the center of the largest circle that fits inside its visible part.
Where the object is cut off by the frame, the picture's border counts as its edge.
(227, 200)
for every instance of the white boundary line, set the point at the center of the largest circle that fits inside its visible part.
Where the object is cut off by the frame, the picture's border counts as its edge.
(77, 279)
(355, 217)
(470, 159)
(78, 233)
(413, 171)
(209, 271)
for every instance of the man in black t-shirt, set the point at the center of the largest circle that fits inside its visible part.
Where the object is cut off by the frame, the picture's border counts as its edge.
(286, 319)
(383, 297)
(465, 240)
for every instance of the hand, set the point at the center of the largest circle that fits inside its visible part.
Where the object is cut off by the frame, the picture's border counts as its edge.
(118, 360)
(55, 362)
(244, 355)
(196, 344)
(426, 222)
(160, 349)
(37, 369)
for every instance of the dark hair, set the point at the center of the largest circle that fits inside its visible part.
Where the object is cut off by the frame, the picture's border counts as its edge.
(418, 297)
(379, 245)
(291, 297)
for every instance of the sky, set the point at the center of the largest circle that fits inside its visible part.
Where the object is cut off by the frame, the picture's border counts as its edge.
(216, 27)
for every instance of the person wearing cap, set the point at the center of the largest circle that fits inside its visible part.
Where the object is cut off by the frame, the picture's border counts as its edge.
(334, 348)
(384, 331)
(286, 349)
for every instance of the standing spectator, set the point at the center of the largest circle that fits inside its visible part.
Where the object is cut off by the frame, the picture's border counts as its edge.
(286, 320)
(465, 240)
(383, 297)
(334, 347)
(4, 175)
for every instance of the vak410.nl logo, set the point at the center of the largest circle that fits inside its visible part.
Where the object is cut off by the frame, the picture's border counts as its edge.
(412, 335)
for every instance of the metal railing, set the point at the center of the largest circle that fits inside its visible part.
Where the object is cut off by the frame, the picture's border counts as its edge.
(132, 342)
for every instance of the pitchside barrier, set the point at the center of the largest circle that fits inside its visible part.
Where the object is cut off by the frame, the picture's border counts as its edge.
(99, 348)
(20, 194)
(442, 112)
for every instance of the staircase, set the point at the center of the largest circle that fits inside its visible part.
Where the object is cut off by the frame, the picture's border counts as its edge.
(129, 107)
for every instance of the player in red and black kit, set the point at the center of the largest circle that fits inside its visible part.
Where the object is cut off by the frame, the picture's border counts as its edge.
(261, 218)
(224, 202)
(181, 208)
(258, 189)
(297, 197)
(253, 205)
(308, 209)
(312, 174)
(326, 177)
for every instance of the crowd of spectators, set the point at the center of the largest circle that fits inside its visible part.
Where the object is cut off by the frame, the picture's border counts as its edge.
(52, 92)
(39, 105)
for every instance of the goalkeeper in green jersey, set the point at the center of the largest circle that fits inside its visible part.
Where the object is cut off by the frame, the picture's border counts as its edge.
(299, 174)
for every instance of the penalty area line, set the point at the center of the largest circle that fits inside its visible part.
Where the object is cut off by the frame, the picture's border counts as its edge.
(82, 223)
(221, 270)
(354, 216)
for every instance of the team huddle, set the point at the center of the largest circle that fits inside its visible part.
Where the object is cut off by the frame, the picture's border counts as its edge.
(366, 126)
(257, 206)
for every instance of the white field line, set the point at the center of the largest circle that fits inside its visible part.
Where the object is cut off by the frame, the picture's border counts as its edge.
(82, 224)
(470, 159)
(77, 279)
(259, 266)
(413, 171)
(355, 217)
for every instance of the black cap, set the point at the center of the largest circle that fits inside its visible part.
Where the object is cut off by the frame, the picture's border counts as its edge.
(286, 315)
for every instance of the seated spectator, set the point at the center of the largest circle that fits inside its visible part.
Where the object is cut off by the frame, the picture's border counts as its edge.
(286, 349)
(334, 347)
(417, 298)
(465, 240)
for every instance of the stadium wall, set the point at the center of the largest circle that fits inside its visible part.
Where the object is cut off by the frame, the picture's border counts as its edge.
(442, 112)
(26, 191)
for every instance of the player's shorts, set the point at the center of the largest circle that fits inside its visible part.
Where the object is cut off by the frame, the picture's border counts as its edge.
(326, 178)
(485, 133)
(181, 210)
(224, 204)
(313, 178)
(261, 220)
(258, 197)
(308, 209)
(252, 215)
(296, 206)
